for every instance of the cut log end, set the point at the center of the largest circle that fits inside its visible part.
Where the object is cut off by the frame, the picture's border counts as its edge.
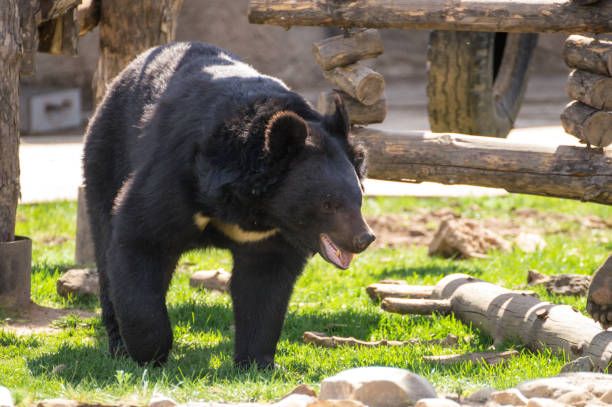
(359, 81)
(590, 126)
(594, 90)
(341, 50)
(359, 114)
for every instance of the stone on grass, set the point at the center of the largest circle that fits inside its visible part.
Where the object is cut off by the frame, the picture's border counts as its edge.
(465, 238)
(212, 280)
(78, 282)
(482, 395)
(575, 398)
(6, 400)
(302, 389)
(58, 403)
(159, 400)
(295, 400)
(510, 397)
(337, 403)
(596, 384)
(542, 402)
(436, 402)
(377, 387)
(583, 364)
(529, 242)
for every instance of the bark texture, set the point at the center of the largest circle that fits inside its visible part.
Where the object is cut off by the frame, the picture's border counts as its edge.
(589, 53)
(343, 50)
(545, 16)
(359, 113)
(561, 171)
(10, 59)
(590, 88)
(590, 126)
(357, 80)
(129, 28)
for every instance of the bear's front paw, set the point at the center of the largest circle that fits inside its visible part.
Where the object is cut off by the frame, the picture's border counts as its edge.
(262, 363)
(117, 349)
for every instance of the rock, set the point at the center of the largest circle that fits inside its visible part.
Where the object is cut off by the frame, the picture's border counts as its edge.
(78, 282)
(575, 398)
(606, 397)
(6, 400)
(562, 284)
(377, 387)
(436, 402)
(337, 403)
(583, 364)
(58, 403)
(554, 387)
(465, 238)
(159, 400)
(542, 402)
(213, 280)
(302, 389)
(482, 395)
(529, 242)
(295, 400)
(511, 397)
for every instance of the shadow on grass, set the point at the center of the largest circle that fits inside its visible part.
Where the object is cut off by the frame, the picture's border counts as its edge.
(430, 270)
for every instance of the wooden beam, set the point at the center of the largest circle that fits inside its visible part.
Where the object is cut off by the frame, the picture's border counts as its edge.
(545, 16)
(562, 171)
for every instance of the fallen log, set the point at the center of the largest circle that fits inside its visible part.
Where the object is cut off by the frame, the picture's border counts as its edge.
(359, 81)
(343, 50)
(505, 314)
(591, 126)
(591, 54)
(545, 16)
(359, 114)
(419, 306)
(380, 291)
(563, 171)
(590, 88)
(323, 340)
(477, 358)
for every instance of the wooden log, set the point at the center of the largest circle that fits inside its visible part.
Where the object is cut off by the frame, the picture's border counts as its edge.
(359, 114)
(380, 291)
(359, 81)
(52, 9)
(60, 35)
(323, 340)
(343, 50)
(88, 15)
(545, 16)
(588, 54)
(504, 314)
(562, 171)
(477, 358)
(591, 126)
(29, 18)
(420, 306)
(591, 89)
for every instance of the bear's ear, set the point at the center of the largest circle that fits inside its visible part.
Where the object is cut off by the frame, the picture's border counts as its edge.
(337, 120)
(286, 133)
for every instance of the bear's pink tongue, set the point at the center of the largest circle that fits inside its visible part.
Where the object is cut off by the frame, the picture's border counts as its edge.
(333, 254)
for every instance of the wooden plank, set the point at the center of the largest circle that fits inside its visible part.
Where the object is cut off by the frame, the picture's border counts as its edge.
(544, 16)
(563, 171)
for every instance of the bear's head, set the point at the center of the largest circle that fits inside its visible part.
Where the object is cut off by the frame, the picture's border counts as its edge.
(317, 201)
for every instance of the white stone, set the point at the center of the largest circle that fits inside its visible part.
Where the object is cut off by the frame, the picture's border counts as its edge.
(554, 387)
(159, 400)
(582, 364)
(78, 282)
(336, 403)
(295, 400)
(575, 398)
(543, 402)
(212, 280)
(529, 242)
(436, 402)
(6, 400)
(511, 397)
(482, 395)
(377, 387)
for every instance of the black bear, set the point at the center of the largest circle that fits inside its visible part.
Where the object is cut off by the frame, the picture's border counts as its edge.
(193, 148)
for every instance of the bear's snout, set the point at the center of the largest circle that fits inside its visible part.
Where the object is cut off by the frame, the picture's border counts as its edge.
(363, 240)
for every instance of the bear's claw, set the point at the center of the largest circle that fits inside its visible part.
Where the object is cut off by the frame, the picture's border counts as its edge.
(599, 299)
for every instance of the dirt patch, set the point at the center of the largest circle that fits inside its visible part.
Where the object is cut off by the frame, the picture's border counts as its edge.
(37, 319)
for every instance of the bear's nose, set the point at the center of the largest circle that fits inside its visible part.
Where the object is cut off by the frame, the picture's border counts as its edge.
(363, 240)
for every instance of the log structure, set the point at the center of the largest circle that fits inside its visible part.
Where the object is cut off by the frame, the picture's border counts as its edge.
(561, 171)
(534, 16)
(360, 87)
(589, 116)
(505, 314)
(59, 36)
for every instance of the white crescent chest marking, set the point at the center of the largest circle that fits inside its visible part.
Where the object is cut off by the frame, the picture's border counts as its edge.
(234, 232)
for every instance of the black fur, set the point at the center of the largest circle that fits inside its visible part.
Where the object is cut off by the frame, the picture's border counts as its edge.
(188, 129)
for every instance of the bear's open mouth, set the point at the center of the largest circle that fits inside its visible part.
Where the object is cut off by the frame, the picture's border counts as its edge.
(333, 254)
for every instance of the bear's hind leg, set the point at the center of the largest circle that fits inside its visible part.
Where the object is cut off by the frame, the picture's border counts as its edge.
(262, 282)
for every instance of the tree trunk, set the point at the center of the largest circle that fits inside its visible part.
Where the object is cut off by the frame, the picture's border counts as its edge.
(561, 171)
(10, 61)
(545, 16)
(129, 28)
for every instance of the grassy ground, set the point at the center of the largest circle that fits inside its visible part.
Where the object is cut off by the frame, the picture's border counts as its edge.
(325, 299)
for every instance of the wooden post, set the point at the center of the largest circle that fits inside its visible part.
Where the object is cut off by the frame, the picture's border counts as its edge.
(562, 171)
(590, 126)
(590, 88)
(10, 60)
(545, 16)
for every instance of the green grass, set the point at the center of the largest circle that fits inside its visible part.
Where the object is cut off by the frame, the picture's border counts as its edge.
(325, 299)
